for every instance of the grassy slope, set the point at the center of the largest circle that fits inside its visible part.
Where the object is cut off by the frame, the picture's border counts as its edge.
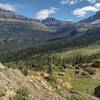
(85, 86)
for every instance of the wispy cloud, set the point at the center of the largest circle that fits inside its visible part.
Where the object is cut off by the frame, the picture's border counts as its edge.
(81, 12)
(76, 1)
(7, 7)
(44, 13)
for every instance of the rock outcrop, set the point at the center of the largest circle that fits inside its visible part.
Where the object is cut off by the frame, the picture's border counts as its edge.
(96, 64)
(97, 91)
(13, 79)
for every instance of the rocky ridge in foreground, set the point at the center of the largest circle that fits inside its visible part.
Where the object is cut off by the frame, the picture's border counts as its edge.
(13, 79)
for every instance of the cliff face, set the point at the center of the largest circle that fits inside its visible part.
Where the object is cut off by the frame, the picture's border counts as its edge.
(12, 79)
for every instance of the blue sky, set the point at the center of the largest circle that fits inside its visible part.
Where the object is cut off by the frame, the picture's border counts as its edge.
(61, 9)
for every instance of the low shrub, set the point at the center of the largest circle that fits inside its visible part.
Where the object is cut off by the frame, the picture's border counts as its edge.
(21, 94)
(76, 98)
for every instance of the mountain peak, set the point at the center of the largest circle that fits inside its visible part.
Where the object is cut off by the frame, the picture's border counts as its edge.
(55, 23)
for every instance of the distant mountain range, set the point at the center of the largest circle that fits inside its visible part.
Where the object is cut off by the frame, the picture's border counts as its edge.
(19, 32)
(51, 22)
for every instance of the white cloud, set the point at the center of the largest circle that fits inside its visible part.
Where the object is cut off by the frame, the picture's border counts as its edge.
(97, 5)
(92, 1)
(81, 12)
(44, 13)
(7, 7)
(68, 1)
(75, 1)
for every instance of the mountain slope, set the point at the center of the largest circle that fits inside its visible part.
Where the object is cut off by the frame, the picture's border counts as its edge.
(92, 19)
(20, 35)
